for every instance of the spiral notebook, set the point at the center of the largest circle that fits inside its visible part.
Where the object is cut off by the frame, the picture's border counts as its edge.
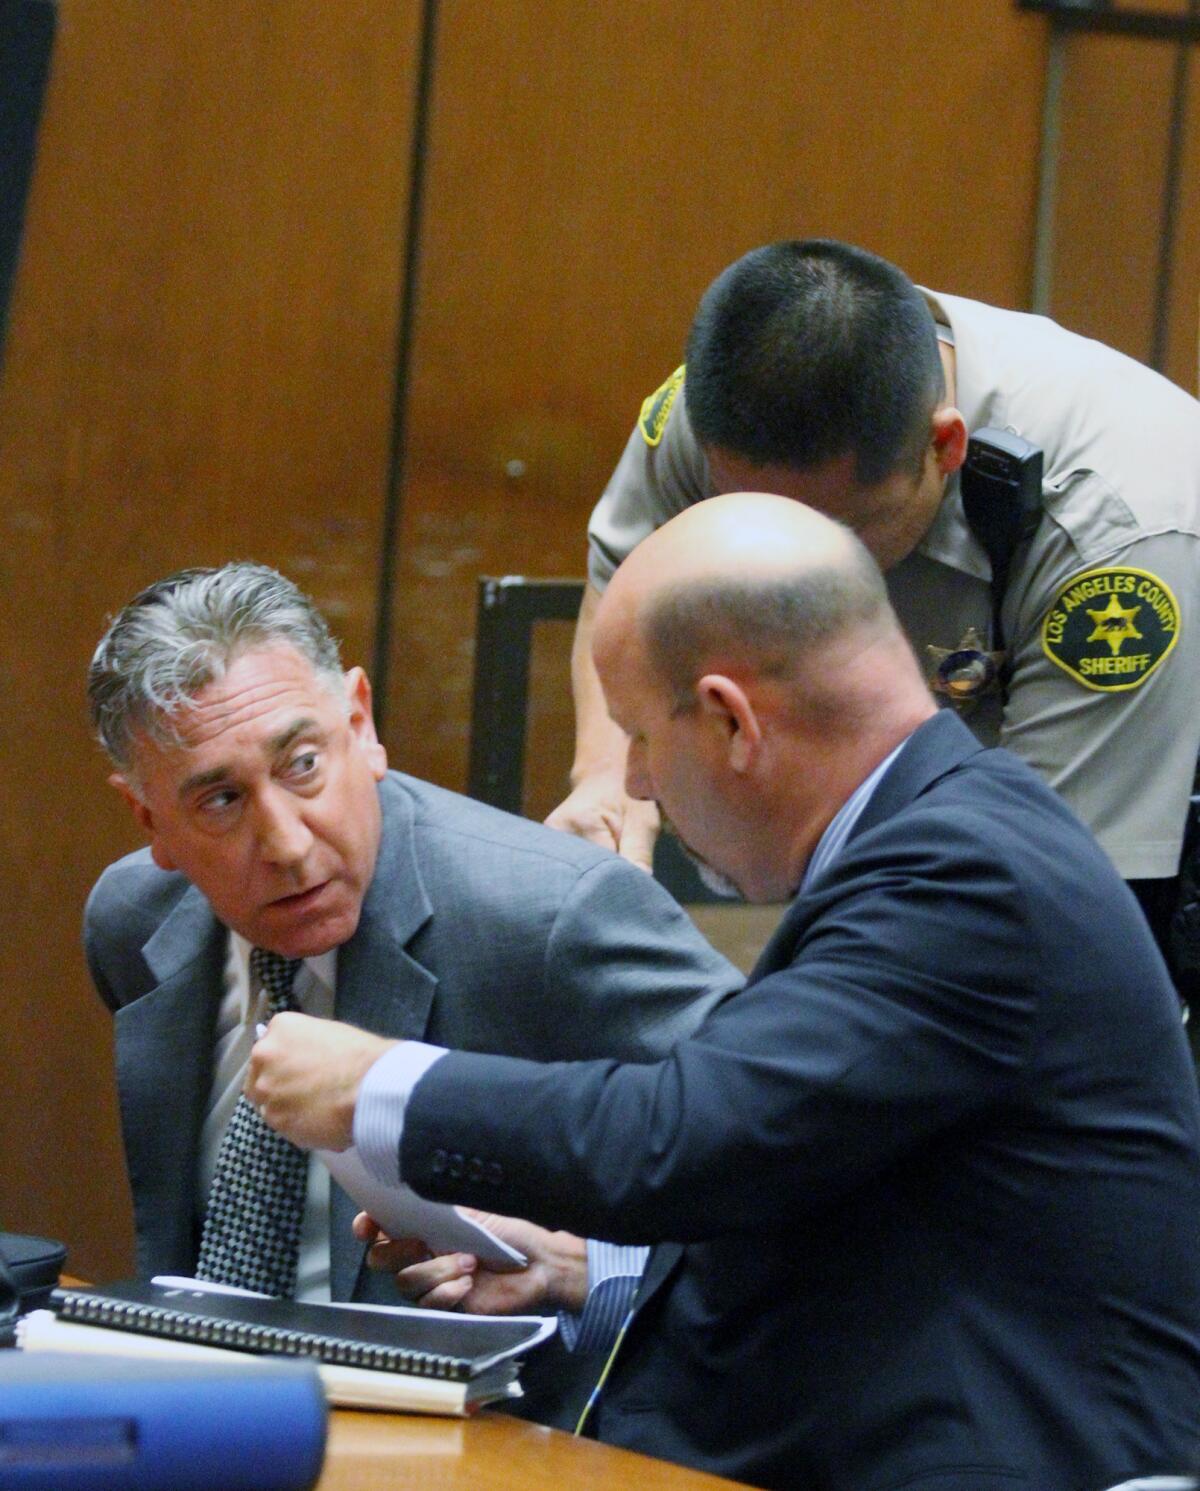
(370, 1356)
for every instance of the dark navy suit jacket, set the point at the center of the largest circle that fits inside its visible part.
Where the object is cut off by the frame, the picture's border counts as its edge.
(926, 1193)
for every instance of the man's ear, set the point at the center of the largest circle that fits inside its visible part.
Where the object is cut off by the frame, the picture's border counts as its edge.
(362, 722)
(144, 819)
(728, 702)
(948, 436)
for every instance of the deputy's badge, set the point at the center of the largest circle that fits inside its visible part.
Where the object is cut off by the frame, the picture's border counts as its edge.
(653, 418)
(965, 672)
(1110, 628)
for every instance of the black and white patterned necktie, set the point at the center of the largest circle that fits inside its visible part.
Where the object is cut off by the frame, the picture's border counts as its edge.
(251, 1232)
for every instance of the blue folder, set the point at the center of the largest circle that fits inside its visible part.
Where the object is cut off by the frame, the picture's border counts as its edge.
(92, 1423)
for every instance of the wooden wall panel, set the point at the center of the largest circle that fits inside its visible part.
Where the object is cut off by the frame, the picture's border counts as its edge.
(1116, 105)
(199, 367)
(591, 168)
(202, 346)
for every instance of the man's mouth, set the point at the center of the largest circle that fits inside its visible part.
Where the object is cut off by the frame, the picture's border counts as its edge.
(300, 899)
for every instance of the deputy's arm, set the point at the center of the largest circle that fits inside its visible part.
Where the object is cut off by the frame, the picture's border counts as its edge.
(598, 808)
(1105, 656)
(661, 471)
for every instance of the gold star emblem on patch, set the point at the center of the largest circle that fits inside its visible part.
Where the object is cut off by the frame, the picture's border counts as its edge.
(1114, 624)
(1085, 627)
(964, 672)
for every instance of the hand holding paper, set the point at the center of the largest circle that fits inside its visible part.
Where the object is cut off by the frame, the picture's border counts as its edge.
(402, 1213)
(555, 1278)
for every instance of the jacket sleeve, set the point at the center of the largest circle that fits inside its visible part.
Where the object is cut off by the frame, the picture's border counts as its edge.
(627, 974)
(96, 939)
(793, 1092)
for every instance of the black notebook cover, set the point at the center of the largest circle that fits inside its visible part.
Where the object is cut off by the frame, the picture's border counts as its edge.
(425, 1343)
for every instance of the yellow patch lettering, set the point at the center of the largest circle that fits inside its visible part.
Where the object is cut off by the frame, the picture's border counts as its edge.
(1099, 618)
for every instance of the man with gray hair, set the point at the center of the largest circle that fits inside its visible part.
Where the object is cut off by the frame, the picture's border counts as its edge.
(288, 869)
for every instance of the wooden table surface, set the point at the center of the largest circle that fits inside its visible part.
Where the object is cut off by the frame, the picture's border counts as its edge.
(491, 1452)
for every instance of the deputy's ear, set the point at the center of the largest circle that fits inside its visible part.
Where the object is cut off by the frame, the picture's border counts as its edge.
(362, 722)
(144, 819)
(727, 702)
(949, 439)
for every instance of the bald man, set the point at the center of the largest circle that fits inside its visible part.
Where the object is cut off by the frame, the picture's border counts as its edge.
(923, 1198)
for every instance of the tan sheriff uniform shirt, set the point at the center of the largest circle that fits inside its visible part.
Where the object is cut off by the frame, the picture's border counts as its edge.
(1102, 610)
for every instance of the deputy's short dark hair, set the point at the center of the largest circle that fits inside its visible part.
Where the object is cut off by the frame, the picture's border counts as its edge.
(807, 350)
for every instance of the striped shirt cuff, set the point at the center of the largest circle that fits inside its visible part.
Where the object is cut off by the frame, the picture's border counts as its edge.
(382, 1101)
(614, 1273)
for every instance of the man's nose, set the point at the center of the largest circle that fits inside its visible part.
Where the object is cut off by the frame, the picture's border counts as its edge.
(283, 836)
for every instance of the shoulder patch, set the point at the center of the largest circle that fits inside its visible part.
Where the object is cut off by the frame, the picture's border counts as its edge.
(1111, 628)
(653, 418)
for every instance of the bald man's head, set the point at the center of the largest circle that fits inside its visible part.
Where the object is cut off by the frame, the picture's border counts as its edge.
(750, 583)
(748, 651)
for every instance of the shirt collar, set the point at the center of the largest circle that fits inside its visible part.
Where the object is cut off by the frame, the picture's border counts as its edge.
(323, 967)
(830, 844)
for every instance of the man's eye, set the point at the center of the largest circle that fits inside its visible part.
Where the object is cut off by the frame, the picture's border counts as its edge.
(303, 765)
(219, 801)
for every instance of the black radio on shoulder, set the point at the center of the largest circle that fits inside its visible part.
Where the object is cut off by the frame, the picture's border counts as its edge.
(1001, 490)
(1001, 485)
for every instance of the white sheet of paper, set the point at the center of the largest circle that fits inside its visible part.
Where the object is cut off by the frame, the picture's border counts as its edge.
(402, 1213)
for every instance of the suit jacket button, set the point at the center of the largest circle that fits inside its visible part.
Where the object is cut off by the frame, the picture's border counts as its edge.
(438, 1163)
(475, 1169)
(455, 1168)
(494, 1174)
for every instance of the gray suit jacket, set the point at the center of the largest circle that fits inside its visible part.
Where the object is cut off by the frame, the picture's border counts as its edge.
(480, 931)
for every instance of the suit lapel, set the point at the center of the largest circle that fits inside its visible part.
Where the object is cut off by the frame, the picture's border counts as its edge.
(381, 986)
(662, 1263)
(164, 1050)
(934, 748)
